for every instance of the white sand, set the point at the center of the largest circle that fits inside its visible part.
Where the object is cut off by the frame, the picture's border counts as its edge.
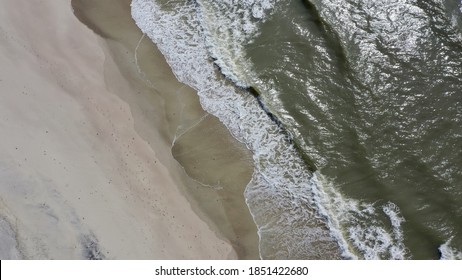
(76, 180)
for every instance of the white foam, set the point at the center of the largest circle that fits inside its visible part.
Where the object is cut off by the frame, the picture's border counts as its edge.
(291, 208)
(359, 223)
(228, 26)
(448, 252)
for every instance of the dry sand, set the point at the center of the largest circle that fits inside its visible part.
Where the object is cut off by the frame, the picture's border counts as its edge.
(86, 168)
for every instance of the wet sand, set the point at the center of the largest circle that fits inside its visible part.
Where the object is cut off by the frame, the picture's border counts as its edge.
(89, 122)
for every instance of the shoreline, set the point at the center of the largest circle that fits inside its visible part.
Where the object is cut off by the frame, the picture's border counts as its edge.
(86, 172)
(217, 166)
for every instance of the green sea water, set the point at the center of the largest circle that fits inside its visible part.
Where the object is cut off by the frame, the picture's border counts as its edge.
(372, 90)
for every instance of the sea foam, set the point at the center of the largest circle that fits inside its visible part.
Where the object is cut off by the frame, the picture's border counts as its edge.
(448, 252)
(227, 27)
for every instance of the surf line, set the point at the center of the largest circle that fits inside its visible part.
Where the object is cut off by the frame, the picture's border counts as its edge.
(255, 92)
(290, 139)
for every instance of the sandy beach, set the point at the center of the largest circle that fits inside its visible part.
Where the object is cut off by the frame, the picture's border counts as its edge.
(104, 154)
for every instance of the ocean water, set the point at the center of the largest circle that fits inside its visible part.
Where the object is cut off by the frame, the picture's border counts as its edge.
(352, 110)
